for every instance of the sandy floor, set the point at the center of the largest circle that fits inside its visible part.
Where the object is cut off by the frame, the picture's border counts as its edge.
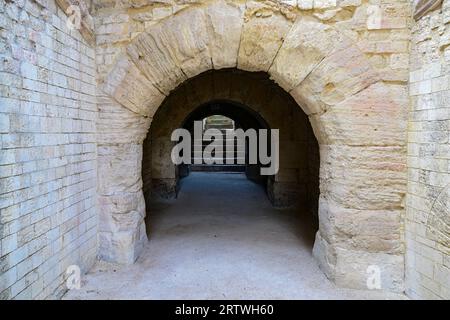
(220, 239)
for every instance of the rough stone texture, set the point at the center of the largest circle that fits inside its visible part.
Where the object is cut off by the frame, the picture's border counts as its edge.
(86, 28)
(263, 33)
(422, 7)
(48, 217)
(221, 242)
(355, 94)
(290, 185)
(428, 210)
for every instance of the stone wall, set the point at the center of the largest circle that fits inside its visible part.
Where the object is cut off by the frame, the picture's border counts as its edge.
(428, 201)
(48, 109)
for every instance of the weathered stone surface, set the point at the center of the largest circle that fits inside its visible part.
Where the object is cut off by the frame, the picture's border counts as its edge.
(345, 171)
(155, 60)
(422, 7)
(353, 269)
(365, 230)
(86, 24)
(132, 89)
(427, 209)
(119, 168)
(48, 177)
(438, 223)
(119, 125)
(122, 247)
(373, 116)
(306, 45)
(174, 50)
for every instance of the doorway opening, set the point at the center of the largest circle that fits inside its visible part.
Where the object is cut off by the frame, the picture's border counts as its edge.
(256, 103)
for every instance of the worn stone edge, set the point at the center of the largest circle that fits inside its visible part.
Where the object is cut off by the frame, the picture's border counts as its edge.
(86, 29)
(424, 7)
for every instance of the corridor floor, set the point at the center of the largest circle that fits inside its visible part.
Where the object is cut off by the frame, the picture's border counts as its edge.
(221, 239)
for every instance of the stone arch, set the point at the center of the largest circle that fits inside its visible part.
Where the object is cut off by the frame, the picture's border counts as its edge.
(359, 121)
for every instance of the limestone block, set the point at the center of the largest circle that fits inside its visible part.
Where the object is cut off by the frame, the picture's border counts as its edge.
(154, 58)
(129, 205)
(119, 168)
(376, 115)
(120, 222)
(132, 89)
(165, 128)
(225, 26)
(161, 12)
(291, 3)
(173, 50)
(365, 230)
(325, 4)
(162, 165)
(122, 247)
(337, 77)
(306, 45)
(305, 4)
(118, 125)
(261, 39)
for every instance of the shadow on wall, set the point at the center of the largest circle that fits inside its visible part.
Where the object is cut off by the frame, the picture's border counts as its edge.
(256, 102)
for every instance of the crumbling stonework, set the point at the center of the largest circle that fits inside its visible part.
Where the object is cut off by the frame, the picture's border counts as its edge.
(48, 217)
(261, 96)
(77, 105)
(354, 77)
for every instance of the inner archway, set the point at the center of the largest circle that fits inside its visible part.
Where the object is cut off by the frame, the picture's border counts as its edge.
(362, 156)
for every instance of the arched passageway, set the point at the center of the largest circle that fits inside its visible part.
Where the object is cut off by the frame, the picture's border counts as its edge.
(362, 156)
